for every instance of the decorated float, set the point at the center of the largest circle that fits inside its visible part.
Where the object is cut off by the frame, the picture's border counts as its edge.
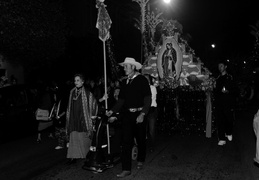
(184, 84)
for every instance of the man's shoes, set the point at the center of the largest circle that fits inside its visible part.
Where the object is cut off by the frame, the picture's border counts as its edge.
(140, 165)
(58, 147)
(38, 141)
(123, 174)
(221, 143)
(229, 137)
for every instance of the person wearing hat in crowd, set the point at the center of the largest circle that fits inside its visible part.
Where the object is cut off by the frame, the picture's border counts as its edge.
(225, 95)
(135, 98)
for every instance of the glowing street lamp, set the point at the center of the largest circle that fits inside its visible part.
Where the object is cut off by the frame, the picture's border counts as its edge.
(167, 1)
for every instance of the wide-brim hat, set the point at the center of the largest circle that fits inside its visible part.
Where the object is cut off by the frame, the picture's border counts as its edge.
(132, 61)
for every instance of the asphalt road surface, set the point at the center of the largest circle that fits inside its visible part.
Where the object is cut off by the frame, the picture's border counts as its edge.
(176, 157)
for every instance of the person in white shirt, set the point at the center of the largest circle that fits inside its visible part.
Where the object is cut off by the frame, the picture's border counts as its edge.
(152, 114)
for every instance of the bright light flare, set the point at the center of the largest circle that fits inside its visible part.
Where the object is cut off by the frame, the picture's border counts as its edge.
(213, 45)
(167, 1)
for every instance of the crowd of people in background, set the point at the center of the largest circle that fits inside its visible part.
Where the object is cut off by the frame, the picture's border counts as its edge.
(4, 81)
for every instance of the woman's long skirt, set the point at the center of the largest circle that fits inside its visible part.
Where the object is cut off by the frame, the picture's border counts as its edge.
(79, 145)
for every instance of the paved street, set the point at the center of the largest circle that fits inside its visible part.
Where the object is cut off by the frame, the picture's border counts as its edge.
(178, 157)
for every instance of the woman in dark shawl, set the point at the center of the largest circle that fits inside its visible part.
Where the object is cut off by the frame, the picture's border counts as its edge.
(82, 107)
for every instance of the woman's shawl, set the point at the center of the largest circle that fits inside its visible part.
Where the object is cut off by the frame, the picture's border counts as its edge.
(90, 108)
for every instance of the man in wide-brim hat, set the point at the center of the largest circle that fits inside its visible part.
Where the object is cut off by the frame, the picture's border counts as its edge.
(135, 100)
(131, 61)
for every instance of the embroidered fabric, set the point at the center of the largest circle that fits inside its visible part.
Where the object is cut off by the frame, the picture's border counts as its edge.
(77, 93)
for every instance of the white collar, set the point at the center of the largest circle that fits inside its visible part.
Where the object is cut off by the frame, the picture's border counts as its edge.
(135, 75)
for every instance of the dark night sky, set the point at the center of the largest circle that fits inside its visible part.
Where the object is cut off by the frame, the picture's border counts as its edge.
(207, 21)
(221, 22)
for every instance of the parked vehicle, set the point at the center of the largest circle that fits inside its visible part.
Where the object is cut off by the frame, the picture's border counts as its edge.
(17, 112)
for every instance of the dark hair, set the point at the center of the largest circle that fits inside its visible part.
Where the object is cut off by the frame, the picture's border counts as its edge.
(80, 75)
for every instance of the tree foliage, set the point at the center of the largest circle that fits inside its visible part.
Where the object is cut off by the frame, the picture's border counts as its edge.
(32, 31)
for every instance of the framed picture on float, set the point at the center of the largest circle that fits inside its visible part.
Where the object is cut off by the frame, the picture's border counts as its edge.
(169, 60)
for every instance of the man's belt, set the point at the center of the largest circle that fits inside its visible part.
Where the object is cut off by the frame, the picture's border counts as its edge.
(135, 109)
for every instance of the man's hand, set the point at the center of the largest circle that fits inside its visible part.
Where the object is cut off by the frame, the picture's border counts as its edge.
(140, 118)
(112, 119)
(109, 113)
(103, 98)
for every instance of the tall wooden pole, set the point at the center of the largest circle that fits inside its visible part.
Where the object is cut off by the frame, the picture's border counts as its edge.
(105, 75)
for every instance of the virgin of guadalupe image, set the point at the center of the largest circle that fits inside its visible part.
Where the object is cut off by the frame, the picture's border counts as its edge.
(169, 60)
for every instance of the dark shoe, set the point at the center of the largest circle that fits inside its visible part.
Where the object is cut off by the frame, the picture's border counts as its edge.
(123, 174)
(38, 140)
(140, 165)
